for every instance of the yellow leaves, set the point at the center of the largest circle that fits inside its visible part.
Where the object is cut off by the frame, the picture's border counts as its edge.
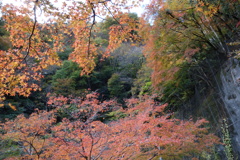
(233, 43)
(12, 106)
(206, 8)
(179, 61)
(85, 58)
(177, 5)
(199, 9)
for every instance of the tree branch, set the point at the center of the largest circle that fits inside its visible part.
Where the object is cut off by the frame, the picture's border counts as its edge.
(113, 16)
(33, 29)
(93, 23)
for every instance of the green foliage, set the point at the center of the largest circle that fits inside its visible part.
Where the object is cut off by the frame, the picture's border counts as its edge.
(64, 55)
(197, 74)
(9, 148)
(108, 23)
(179, 89)
(146, 88)
(69, 69)
(130, 69)
(227, 141)
(2, 29)
(67, 112)
(8, 113)
(115, 115)
(4, 41)
(99, 77)
(126, 62)
(115, 86)
(100, 41)
(142, 84)
(103, 36)
(67, 80)
(64, 86)
(133, 16)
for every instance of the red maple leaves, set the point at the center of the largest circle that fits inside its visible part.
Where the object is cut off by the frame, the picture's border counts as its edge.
(146, 132)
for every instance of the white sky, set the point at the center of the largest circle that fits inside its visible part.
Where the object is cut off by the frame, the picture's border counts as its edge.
(138, 10)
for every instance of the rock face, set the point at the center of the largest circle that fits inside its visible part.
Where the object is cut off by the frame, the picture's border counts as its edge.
(229, 91)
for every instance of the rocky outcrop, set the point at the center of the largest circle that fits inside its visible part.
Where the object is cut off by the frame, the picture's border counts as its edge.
(229, 91)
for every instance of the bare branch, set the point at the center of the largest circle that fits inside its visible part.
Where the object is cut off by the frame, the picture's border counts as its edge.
(33, 29)
(113, 16)
(91, 28)
(104, 1)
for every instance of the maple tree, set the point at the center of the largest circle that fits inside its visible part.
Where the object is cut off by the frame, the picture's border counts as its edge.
(30, 133)
(35, 44)
(153, 134)
(145, 133)
(37, 133)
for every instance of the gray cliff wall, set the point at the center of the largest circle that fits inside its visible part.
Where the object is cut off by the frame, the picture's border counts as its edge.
(229, 91)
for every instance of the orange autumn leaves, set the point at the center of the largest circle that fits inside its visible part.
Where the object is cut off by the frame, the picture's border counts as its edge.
(21, 66)
(30, 132)
(35, 41)
(145, 132)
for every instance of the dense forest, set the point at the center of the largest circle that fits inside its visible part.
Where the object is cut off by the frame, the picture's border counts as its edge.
(92, 80)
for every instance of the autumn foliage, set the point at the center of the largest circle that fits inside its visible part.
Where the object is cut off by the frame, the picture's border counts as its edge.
(38, 30)
(177, 34)
(145, 133)
(172, 35)
(79, 127)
